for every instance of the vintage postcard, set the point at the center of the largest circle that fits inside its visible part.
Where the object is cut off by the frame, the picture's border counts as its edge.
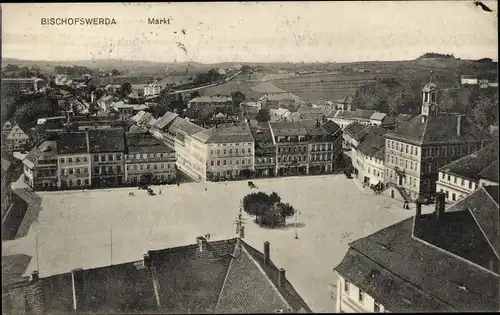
(250, 157)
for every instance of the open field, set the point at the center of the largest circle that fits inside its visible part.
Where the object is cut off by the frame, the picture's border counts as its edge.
(74, 228)
(331, 86)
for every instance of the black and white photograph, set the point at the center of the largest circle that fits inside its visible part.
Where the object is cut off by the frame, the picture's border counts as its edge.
(250, 157)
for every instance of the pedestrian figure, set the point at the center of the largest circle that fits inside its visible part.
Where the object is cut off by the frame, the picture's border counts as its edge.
(205, 188)
(178, 184)
(160, 191)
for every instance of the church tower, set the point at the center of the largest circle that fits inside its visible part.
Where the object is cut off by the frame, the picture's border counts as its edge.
(429, 100)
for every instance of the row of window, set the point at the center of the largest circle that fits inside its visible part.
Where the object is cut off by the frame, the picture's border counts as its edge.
(402, 147)
(107, 170)
(290, 138)
(292, 149)
(230, 151)
(403, 163)
(76, 159)
(449, 178)
(454, 150)
(147, 155)
(149, 166)
(236, 162)
(375, 171)
(361, 297)
(453, 195)
(136, 179)
(321, 147)
(107, 157)
(77, 182)
(234, 144)
(407, 180)
(265, 160)
(71, 171)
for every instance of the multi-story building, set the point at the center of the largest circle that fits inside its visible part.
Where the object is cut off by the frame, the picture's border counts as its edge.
(377, 119)
(74, 166)
(417, 149)
(280, 100)
(241, 280)
(370, 155)
(345, 118)
(305, 146)
(446, 261)
(6, 204)
(211, 104)
(17, 85)
(125, 109)
(40, 166)
(17, 139)
(461, 177)
(190, 152)
(148, 160)
(106, 149)
(265, 151)
(229, 151)
(291, 141)
(152, 89)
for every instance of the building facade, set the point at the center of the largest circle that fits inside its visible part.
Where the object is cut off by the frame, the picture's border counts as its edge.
(18, 85)
(211, 104)
(152, 89)
(106, 149)
(40, 166)
(17, 139)
(148, 160)
(417, 149)
(352, 299)
(6, 203)
(345, 118)
(265, 151)
(74, 166)
(463, 176)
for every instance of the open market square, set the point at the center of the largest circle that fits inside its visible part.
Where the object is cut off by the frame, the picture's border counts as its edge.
(75, 229)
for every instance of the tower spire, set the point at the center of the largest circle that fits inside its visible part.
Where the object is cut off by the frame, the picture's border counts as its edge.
(430, 75)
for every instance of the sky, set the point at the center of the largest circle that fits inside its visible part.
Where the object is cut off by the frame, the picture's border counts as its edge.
(252, 32)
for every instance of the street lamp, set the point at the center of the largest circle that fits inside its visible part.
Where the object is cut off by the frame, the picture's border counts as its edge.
(296, 222)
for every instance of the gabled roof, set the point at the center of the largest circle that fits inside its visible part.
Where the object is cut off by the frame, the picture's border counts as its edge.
(483, 205)
(229, 134)
(372, 142)
(145, 142)
(439, 128)
(358, 114)
(17, 130)
(184, 126)
(262, 135)
(330, 127)
(13, 268)
(479, 164)
(72, 143)
(164, 120)
(407, 275)
(106, 140)
(288, 128)
(353, 129)
(224, 277)
(378, 116)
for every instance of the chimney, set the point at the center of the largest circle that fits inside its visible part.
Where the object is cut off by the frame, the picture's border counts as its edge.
(418, 206)
(440, 205)
(201, 243)
(147, 261)
(266, 253)
(281, 277)
(35, 276)
(77, 286)
(459, 122)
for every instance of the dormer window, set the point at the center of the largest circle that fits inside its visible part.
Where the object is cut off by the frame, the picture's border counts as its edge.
(433, 97)
(426, 97)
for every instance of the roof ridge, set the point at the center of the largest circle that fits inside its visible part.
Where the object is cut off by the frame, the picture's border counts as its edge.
(254, 261)
(404, 279)
(483, 232)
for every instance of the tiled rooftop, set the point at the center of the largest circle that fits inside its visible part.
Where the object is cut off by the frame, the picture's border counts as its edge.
(106, 140)
(222, 278)
(72, 143)
(479, 164)
(439, 128)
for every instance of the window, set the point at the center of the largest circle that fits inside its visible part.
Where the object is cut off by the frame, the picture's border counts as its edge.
(454, 180)
(162, 165)
(119, 169)
(70, 160)
(218, 152)
(61, 160)
(103, 158)
(77, 159)
(346, 287)
(225, 162)
(470, 185)
(86, 182)
(237, 150)
(211, 163)
(433, 97)
(449, 178)
(96, 170)
(155, 166)
(70, 171)
(218, 163)
(224, 152)
(148, 166)
(360, 295)
(135, 167)
(118, 157)
(230, 151)
(249, 150)
(453, 197)
(447, 194)
(376, 306)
